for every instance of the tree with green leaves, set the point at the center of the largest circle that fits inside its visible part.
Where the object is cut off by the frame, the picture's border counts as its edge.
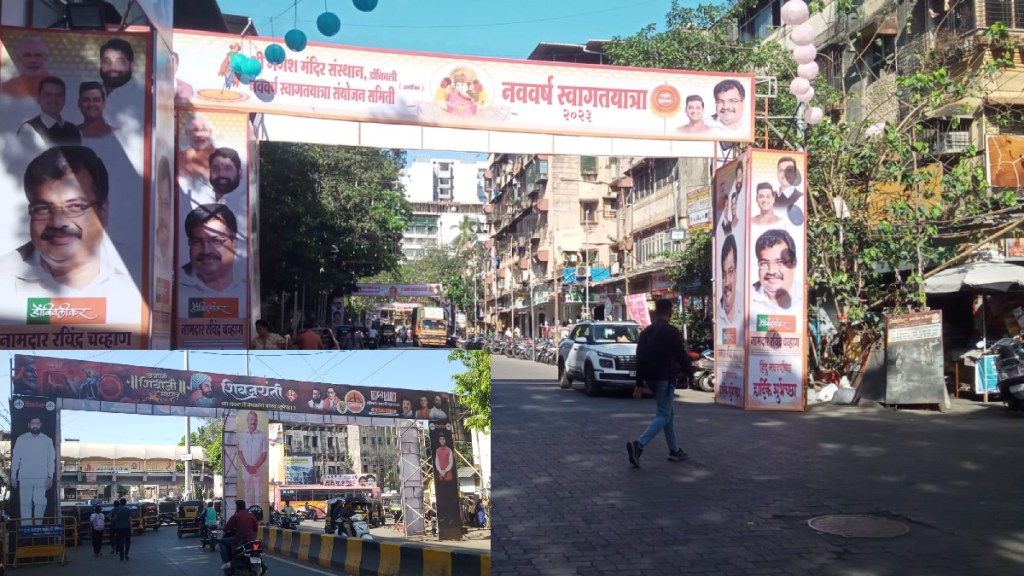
(208, 437)
(332, 215)
(880, 198)
(473, 387)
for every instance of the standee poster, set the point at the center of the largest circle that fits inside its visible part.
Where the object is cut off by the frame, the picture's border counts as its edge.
(213, 231)
(34, 475)
(446, 481)
(74, 136)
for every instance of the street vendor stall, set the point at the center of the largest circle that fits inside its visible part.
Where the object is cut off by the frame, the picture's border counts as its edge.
(993, 293)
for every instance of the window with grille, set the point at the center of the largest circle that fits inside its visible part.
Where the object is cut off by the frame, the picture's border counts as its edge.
(588, 166)
(588, 212)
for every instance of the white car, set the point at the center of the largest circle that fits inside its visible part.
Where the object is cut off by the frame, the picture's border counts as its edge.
(600, 354)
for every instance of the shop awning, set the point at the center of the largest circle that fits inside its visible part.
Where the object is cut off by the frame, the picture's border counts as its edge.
(982, 276)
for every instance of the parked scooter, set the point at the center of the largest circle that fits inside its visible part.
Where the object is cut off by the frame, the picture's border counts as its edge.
(1010, 372)
(704, 371)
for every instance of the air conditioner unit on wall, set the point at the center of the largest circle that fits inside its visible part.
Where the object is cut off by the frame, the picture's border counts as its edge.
(583, 271)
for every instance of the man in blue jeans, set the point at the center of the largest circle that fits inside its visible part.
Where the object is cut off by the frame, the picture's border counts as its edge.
(660, 357)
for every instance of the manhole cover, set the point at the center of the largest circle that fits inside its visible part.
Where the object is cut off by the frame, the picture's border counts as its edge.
(858, 526)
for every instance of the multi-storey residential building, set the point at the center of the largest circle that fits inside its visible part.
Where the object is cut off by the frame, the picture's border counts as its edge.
(372, 449)
(443, 192)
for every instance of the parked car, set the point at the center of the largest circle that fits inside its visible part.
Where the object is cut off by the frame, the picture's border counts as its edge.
(599, 354)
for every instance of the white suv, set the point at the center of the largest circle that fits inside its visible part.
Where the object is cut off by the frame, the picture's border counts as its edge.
(601, 354)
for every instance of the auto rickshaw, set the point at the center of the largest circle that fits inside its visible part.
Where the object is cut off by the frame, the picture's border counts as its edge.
(188, 517)
(138, 524)
(168, 512)
(150, 515)
(84, 524)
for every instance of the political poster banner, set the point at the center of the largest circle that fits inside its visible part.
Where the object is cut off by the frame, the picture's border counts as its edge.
(446, 481)
(107, 387)
(161, 211)
(34, 472)
(395, 290)
(385, 86)
(728, 217)
(213, 242)
(776, 264)
(250, 456)
(75, 140)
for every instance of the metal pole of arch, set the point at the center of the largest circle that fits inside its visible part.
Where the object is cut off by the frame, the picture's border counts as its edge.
(188, 447)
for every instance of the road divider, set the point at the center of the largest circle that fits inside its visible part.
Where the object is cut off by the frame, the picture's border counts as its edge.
(372, 558)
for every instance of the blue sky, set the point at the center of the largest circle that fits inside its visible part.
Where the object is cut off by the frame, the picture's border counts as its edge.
(416, 369)
(492, 28)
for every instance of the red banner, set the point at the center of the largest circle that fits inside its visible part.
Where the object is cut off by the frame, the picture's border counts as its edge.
(104, 382)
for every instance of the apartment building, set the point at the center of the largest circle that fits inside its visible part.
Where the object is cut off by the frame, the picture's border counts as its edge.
(372, 449)
(443, 192)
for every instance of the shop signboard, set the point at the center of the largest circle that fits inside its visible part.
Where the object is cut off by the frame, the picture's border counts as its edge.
(698, 208)
(913, 359)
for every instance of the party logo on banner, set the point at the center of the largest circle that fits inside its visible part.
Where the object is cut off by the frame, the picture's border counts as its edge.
(213, 307)
(66, 310)
(773, 323)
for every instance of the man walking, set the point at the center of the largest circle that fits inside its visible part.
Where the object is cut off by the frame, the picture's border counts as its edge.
(123, 529)
(660, 356)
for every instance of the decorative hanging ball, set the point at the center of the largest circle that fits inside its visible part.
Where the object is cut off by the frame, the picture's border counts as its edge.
(799, 86)
(808, 71)
(328, 23)
(813, 115)
(274, 54)
(295, 40)
(805, 54)
(795, 12)
(365, 5)
(803, 34)
(252, 67)
(806, 96)
(237, 62)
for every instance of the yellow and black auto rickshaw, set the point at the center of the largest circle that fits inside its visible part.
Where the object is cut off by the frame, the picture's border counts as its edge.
(150, 515)
(168, 512)
(69, 517)
(188, 520)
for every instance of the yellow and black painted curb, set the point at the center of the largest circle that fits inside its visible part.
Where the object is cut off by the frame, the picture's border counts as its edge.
(367, 558)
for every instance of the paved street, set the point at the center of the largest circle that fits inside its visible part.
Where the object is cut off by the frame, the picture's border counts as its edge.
(161, 553)
(568, 502)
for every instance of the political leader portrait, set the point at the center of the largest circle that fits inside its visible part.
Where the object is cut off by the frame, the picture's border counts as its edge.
(212, 232)
(69, 253)
(33, 460)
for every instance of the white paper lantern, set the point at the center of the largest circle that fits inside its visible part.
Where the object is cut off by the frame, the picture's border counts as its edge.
(799, 86)
(808, 71)
(795, 12)
(813, 115)
(805, 54)
(806, 96)
(803, 34)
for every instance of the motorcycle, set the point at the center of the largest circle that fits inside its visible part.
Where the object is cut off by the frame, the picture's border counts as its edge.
(210, 536)
(704, 371)
(354, 527)
(247, 559)
(1010, 372)
(289, 521)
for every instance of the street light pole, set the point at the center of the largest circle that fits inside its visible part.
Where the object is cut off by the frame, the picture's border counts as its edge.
(586, 262)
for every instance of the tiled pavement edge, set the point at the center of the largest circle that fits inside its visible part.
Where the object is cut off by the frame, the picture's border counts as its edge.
(566, 500)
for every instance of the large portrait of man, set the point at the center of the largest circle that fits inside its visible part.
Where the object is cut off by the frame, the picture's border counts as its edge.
(34, 465)
(49, 127)
(31, 57)
(776, 257)
(212, 232)
(69, 254)
(730, 103)
(253, 449)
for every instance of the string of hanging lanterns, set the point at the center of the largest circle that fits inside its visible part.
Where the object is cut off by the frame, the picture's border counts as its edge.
(327, 23)
(795, 13)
